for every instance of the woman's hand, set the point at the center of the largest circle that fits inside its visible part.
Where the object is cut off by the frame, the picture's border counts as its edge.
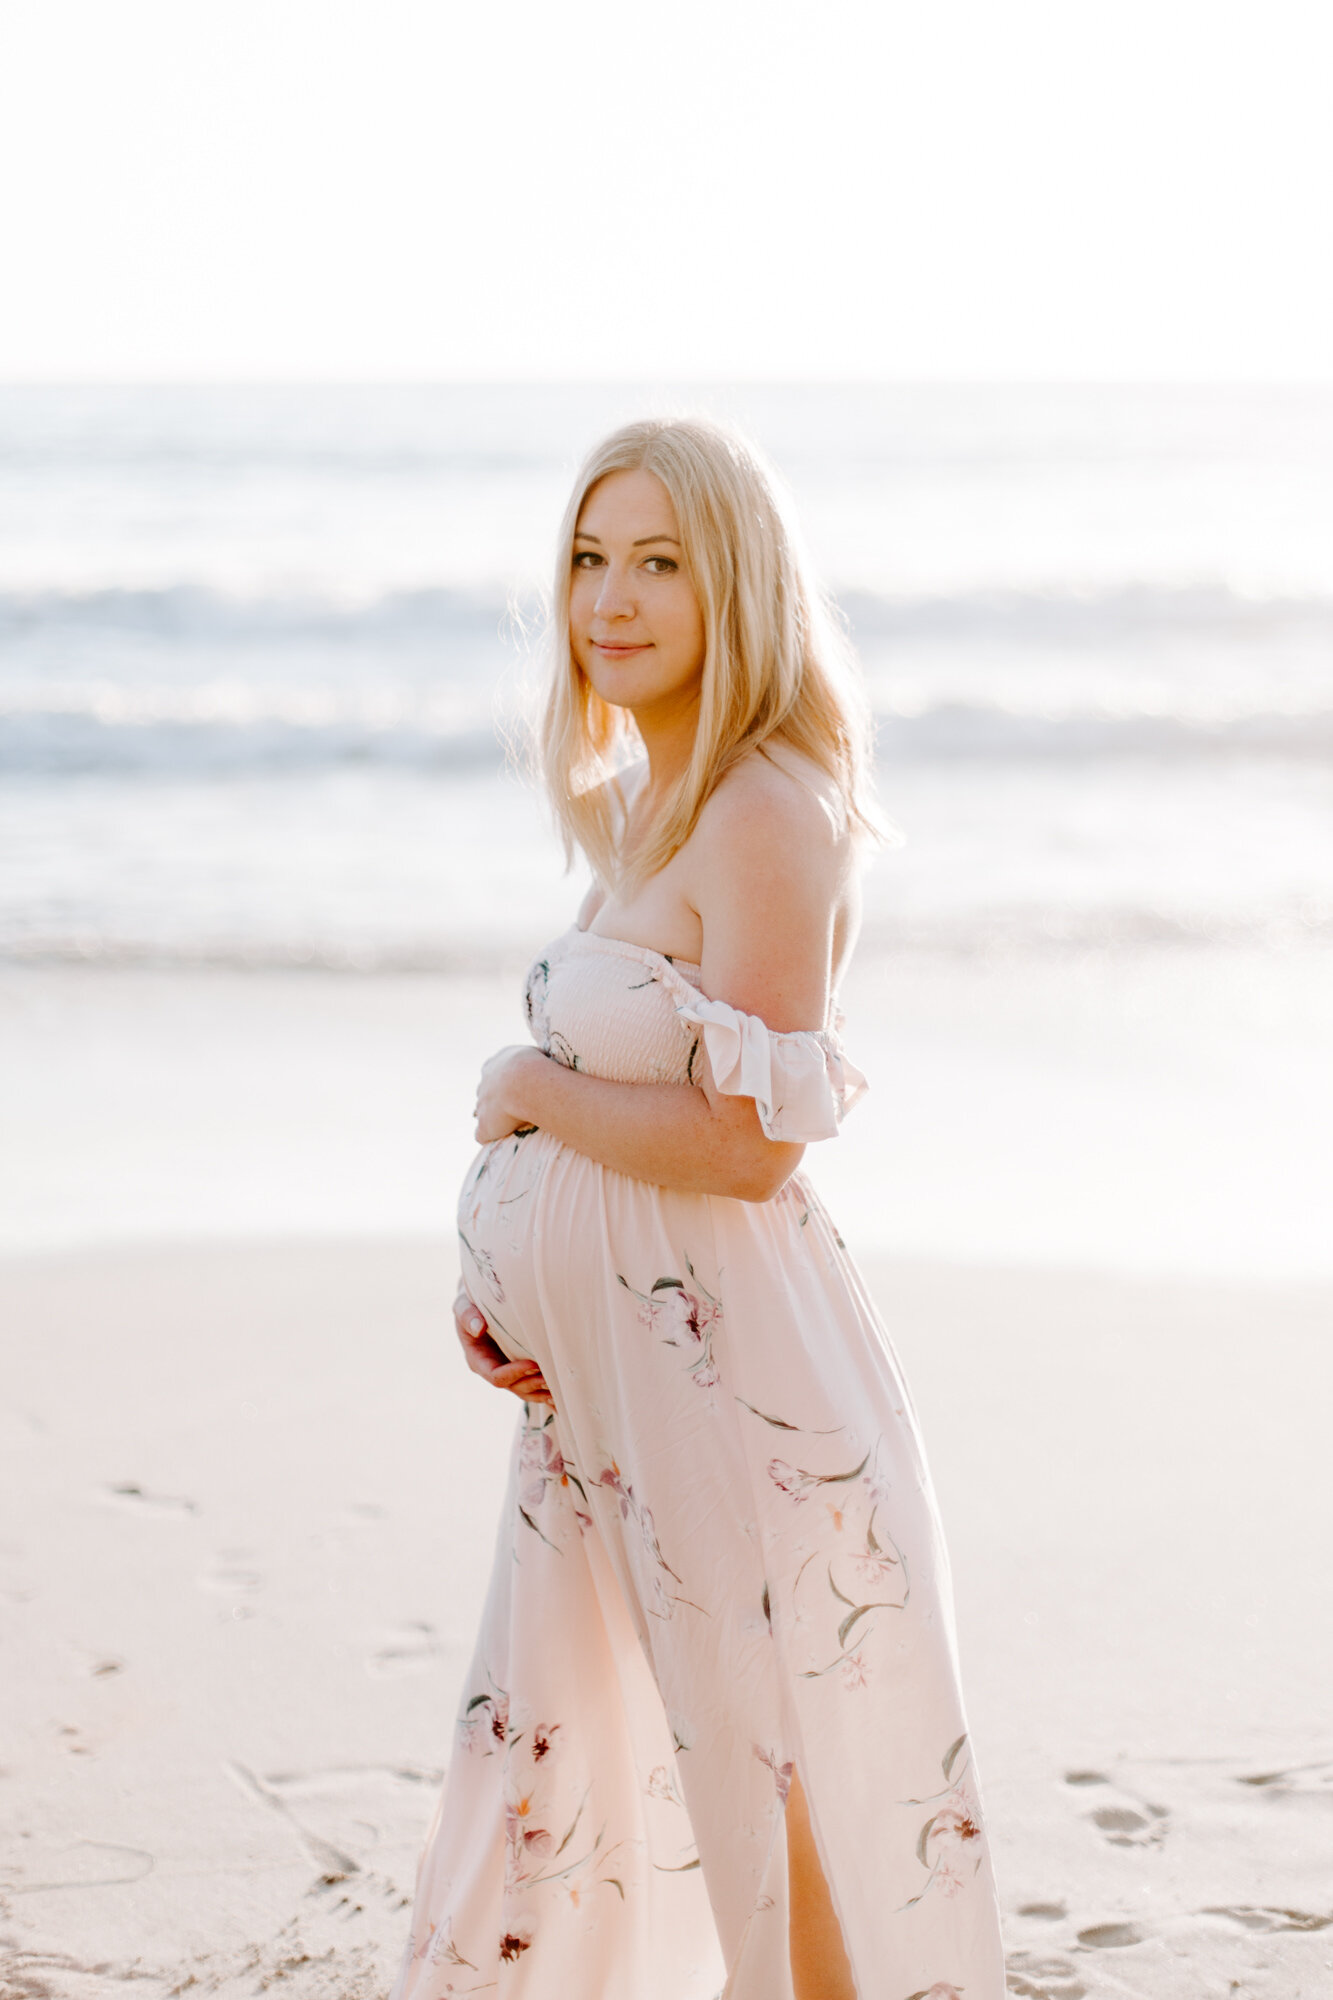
(498, 1109)
(523, 1378)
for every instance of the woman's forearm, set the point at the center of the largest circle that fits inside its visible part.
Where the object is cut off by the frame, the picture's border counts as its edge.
(666, 1133)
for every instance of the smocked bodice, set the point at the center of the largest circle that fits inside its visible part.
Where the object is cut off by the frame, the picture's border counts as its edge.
(633, 1015)
(608, 1008)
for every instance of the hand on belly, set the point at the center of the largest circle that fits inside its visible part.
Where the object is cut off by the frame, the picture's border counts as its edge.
(523, 1379)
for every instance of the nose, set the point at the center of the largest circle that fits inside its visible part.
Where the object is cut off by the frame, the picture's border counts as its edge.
(615, 599)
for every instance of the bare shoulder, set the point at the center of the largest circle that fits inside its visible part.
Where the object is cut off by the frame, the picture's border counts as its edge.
(768, 814)
(769, 878)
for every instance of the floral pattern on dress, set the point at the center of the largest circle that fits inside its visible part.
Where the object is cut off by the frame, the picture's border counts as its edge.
(683, 1318)
(662, 1599)
(949, 1843)
(567, 1853)
(541, 1465)
(484, 1723)
(541, 1846)
(856, 1555)
(662, 1785)
(438, 1948)
(536, 989)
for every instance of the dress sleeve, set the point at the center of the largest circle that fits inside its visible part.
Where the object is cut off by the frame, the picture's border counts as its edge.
(801, 1082)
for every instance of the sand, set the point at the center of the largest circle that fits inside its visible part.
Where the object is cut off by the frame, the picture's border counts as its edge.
(248, 1493)
(248, 1505)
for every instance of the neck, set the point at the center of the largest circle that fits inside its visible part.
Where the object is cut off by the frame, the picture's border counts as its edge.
(668, 732)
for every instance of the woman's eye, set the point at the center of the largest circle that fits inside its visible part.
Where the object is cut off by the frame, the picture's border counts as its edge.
(655, 565)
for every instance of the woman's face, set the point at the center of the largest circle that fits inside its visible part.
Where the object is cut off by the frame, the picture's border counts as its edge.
(635, 625)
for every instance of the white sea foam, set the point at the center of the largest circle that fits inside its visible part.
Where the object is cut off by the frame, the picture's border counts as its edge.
(254, 646)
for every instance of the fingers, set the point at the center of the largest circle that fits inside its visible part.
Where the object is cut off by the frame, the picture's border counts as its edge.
(525, 1380)
(468, 1316)
(510, 1374)
(485, 1358)
(482, 1354)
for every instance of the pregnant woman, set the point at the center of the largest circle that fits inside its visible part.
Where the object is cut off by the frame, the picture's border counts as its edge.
(711, 1739)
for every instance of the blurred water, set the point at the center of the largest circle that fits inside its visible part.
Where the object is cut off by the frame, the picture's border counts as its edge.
(253, 644)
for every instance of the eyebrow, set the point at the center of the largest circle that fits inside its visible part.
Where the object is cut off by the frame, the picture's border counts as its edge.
(580, 535)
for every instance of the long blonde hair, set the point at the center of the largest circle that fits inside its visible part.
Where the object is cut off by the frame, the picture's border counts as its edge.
(776, 657)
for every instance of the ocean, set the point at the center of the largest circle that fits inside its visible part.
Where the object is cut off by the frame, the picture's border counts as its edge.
(260, 649)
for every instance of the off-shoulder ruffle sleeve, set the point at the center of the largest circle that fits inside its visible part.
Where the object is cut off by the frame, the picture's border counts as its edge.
(802, 1083)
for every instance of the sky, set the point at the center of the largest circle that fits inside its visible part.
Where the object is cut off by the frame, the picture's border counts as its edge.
(316, 190)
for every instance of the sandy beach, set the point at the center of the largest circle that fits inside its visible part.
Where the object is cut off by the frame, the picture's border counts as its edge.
(276, 524)
(249, 1492)
(249, 1499)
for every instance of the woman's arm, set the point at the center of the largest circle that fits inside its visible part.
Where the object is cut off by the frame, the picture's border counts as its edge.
(673, 1134)
(766, 868)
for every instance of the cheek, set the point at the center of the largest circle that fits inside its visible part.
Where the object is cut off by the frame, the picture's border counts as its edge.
(687, 629)
(578, 598)
(582, 604)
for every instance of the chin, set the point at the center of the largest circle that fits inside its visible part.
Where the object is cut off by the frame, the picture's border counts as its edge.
(620, 691)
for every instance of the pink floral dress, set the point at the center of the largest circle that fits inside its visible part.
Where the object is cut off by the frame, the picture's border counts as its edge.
(719, 1562)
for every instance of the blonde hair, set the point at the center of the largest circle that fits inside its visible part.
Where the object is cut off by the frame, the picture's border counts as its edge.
(776, 657)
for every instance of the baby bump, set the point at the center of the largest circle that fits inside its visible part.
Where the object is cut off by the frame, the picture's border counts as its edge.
(565, 1256)
(498, 1237)
(598, 1276)
(547, 1241)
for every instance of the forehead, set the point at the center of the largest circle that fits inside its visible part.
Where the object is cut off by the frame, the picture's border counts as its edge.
(627, 506)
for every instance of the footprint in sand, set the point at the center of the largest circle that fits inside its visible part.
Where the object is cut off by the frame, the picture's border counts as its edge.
(138, 1500)
(407, 1649)
(1038, 1975)
(1123, 1820)
(1110, 1937)
(1301, 1780)
(334, 1863)
(83, 1864)
(342, 1813)
(229, 1578)
(1043, 1976)
(1253, 1918)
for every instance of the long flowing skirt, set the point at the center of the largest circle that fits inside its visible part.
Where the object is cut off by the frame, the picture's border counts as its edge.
(719, 1563)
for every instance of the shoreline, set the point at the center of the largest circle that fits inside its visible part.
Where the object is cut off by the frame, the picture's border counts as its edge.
(1166, 1112)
